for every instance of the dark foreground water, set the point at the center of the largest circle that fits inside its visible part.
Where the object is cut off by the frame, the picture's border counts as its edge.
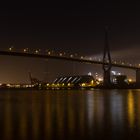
(70, 115)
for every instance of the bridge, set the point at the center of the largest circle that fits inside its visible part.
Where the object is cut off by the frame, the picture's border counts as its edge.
(106, 63)
(67, 58)
(72, 58)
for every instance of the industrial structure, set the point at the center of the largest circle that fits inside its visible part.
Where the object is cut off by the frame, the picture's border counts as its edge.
(77, 81)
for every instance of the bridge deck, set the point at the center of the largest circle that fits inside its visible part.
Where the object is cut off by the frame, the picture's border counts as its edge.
(11, 53)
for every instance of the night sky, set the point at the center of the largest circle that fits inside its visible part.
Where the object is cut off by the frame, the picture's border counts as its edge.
(70, 27)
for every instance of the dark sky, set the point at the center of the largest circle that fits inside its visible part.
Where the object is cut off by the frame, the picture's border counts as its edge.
(72, 27)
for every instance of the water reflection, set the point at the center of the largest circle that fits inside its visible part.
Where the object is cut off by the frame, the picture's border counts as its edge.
(7, 120)
(22, 120)
(116, 110)
(70, 115)
(131, 107)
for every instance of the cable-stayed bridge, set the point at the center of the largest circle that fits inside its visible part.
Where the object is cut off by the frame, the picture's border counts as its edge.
(72, 58)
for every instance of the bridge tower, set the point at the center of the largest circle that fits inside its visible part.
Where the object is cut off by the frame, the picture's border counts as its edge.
(106, 61)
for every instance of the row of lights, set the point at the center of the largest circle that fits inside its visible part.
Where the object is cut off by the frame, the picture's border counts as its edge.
(49, 53)
(37, 51)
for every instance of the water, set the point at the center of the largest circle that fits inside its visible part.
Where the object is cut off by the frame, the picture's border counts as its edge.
(70, 115)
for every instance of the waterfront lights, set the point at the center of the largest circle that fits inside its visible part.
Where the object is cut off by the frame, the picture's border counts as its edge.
(119, 73)
(92, 82)
(49, 53)
(48, 84)
(37, 51)
(63, 84)
(113, 72)
(83, 84)
(60, 54)
(89, 73)
(100, 79)
(25, 50)
(10, 49)
(71, 55)
(69, 84)
(129, 80)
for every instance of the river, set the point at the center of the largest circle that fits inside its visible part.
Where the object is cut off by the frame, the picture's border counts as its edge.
(69, 114)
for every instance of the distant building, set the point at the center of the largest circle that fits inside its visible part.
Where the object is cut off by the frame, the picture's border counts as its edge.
(120, 79)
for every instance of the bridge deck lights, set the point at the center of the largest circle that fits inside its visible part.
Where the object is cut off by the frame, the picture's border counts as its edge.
(60, 54)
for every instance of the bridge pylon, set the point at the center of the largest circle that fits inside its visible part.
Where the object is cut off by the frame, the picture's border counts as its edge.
(106, 61)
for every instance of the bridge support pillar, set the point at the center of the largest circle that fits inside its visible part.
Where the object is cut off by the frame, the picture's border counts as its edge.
(138, 77)
(107, 81)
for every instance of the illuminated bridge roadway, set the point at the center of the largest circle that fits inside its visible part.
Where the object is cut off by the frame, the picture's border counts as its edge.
(74, 59)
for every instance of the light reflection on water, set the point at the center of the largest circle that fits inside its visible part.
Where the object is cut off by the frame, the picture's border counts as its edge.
(98, 114)
(131, 108)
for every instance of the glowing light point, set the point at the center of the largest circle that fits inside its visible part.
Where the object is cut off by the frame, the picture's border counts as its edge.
(89, 73)
(36, 51)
